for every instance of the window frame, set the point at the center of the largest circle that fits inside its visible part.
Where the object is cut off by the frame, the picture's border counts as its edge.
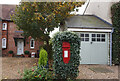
(4, 28)
(98, 37)
(4, 41)
(84, 37)
(33, 43)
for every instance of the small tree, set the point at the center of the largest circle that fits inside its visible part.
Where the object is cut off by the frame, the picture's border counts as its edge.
(38, 19)
(43, 57)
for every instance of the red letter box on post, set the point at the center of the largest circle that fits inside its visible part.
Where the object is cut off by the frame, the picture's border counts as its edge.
(66, 52)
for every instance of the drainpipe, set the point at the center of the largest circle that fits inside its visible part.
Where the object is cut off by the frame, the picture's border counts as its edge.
(111, 47)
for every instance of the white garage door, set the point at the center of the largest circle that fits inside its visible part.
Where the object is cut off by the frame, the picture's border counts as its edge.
(94, 48)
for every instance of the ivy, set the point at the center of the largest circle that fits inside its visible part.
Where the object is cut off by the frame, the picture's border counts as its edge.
(62, 70)
(115, 10)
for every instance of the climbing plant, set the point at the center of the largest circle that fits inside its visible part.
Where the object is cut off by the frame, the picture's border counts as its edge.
(62, 70)
(115, 10)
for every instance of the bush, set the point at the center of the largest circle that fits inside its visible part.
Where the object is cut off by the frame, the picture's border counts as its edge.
(49, 50)
(10, 52)
(38, 74)
(43, 57)
(115, 10)
(62, 70)
(27, 52)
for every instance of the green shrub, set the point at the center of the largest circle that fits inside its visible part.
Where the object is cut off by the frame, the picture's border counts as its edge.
(62, 70)
(49, 50)
(115, 10)
(43, 57)
(27, 52)
(10, 52)
(37, 74)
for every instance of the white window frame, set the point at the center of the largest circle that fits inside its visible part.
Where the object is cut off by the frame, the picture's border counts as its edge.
(3, 42)
(4, 28)
(33, 43)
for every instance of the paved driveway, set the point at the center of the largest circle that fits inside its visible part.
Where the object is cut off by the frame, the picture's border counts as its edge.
(98, 72)
(11, 67)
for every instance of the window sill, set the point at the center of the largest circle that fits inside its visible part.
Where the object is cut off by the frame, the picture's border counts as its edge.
(32, 48)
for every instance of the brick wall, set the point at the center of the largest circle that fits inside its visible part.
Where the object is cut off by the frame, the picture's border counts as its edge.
(0, 38)
(0, 30)
(11, 42)
(4, 35)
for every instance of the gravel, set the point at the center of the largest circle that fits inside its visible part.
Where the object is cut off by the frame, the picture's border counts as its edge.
(12, 67)
(86, 73)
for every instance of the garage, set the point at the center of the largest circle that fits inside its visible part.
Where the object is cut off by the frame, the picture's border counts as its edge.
(96, 38)
(94, 48)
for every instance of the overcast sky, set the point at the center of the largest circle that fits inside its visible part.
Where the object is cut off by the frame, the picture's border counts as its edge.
(9, 1)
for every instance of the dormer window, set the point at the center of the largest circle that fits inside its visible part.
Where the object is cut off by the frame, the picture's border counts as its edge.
(4, 26)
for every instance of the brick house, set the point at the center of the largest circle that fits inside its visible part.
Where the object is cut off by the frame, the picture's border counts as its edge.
(11, 36)
(0, 37)
(0, 31)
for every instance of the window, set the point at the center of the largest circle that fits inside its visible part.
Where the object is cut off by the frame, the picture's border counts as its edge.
(3, 42)
(4, 26)
(32, 43)
(98, 37)
(84, 37)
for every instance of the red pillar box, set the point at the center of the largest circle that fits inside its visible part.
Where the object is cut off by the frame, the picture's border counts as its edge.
(66, 52)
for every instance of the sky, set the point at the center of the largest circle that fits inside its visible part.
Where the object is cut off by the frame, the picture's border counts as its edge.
(17, 2)
(9, 1)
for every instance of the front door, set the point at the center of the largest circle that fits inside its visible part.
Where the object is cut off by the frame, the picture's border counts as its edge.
(20, 47)
(94, 48)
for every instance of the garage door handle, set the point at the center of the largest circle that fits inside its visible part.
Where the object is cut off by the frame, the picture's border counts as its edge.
(91, 42)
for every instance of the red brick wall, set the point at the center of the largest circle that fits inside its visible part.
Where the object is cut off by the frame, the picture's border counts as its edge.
(5, 35)
(0, 37)
(37, 44)
(11, 43)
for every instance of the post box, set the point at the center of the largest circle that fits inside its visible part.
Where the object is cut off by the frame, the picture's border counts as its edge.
(66, 52)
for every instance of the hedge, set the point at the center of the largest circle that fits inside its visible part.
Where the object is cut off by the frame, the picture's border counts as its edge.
(115, 10)
(62, 70)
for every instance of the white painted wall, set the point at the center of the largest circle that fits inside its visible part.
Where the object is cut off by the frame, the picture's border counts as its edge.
(101, 9)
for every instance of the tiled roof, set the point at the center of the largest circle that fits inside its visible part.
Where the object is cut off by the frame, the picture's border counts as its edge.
(6, 10)
(87, 21)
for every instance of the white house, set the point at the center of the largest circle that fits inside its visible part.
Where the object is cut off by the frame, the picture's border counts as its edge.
(101, 8)
(96, 38)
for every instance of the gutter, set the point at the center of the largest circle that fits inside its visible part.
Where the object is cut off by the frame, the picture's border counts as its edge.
(90, 27)
(111, 46)
(102, 20)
